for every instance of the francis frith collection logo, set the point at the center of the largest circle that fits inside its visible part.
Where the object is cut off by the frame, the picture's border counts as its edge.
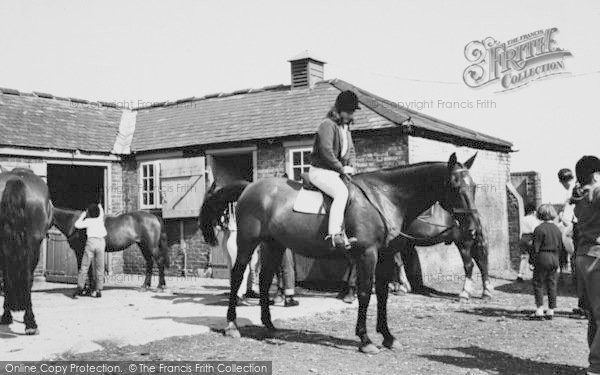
(514, 63)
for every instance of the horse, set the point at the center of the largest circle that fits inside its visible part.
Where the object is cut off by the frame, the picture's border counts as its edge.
(380, 205)
(432, 227)
(25, 217)
(139, 227)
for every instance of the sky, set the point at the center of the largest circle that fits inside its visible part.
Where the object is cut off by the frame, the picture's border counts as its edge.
(137, 52)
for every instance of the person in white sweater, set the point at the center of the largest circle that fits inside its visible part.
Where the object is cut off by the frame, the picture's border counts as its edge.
(92, 220)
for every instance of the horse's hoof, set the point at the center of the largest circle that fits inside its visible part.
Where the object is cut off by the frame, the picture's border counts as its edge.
(391, 344)
(349, 298)
(369, 349)
(234, 333)
(31, 331)
(144, 288)
(270, 327)
(486, 297)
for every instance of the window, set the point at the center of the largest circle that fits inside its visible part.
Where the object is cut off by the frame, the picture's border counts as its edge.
(150, 185)
(299, 162)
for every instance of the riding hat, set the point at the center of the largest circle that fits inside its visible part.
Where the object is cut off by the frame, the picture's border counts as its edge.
(347, 101)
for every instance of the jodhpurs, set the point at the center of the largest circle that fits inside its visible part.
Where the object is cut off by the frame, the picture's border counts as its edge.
(331, 184)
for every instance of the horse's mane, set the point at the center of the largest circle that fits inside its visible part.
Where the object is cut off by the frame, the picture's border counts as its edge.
(405, 167)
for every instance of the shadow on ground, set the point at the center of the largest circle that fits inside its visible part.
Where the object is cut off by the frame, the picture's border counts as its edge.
(565, 287)
(501, 362)
(498, 312)
(260, 333)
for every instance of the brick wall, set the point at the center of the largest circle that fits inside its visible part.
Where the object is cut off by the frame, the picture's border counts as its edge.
(529, 186)
(513, 229)
(270, 160)
(491, 173)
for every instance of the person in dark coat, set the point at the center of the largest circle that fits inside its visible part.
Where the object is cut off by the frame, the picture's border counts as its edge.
(587, 261)
(547, 245)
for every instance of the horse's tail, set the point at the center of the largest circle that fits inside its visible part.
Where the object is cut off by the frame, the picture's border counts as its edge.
(215, 205)
(17, 255)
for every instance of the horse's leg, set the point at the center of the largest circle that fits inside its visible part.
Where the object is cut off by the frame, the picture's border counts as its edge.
(6, 318)
(246, 247)
(383, 275)
(467, 290)
(410, 258)
(6, 315)
(366, 270)
(270, 260)
(31, 327)
(481, 259)
(162, 284)
(149, 265)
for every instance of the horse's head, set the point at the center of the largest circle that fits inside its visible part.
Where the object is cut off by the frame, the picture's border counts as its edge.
(460, 197)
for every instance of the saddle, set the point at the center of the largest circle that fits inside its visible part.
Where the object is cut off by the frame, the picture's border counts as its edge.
(310, 199)
(306, 184)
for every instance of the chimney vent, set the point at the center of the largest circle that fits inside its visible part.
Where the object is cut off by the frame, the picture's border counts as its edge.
(307, 69)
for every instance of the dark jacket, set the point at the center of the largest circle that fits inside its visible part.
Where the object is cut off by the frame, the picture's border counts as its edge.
(328, 145)
(587, 212)
(547, 238)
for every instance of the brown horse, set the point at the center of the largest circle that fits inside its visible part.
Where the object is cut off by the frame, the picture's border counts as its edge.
(138, 227)
(381, 205)
(25, 216)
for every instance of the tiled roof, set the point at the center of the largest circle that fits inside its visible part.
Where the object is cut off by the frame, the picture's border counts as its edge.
(270, 113)
(277, 111)
(44, 121)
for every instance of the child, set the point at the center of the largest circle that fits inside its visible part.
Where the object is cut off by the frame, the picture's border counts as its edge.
(93, 221)
(530, 222)
(547, 243)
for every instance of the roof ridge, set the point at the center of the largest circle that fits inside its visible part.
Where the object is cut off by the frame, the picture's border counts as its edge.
(48, 96)
(191, 99)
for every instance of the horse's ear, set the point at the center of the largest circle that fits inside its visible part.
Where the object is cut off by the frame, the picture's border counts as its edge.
(469, 162)
(452, 161)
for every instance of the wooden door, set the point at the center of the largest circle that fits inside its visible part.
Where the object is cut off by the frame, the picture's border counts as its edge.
(61, 262)
(183, 184)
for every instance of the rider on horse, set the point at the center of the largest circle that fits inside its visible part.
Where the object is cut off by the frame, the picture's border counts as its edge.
(333, 155)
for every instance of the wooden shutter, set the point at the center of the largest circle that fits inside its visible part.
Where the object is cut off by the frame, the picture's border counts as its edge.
(182, 185)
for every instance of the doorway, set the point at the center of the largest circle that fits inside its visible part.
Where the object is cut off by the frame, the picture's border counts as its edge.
(73, 187)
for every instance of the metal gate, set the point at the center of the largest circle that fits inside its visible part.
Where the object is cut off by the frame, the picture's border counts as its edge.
(61, 262)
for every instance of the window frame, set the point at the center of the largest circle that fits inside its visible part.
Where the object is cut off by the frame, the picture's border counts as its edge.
(157, 188)
(290, 164)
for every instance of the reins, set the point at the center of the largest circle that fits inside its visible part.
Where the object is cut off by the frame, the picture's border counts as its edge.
(400, 232)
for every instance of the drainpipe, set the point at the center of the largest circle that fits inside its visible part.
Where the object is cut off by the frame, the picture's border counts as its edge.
(183, 247)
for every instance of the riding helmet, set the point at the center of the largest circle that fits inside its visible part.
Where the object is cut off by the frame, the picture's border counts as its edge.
(347, 101)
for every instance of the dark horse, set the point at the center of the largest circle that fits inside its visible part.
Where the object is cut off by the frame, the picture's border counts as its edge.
(139, 227)
(25, 216)
(432, 227)
(381, 204)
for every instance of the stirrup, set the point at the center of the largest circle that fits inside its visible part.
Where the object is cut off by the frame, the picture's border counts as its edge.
(341, 241)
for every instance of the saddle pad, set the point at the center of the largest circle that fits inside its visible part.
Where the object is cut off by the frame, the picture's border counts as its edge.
(310, 202)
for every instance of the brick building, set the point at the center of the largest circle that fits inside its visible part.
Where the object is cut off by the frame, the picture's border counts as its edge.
(158, 157)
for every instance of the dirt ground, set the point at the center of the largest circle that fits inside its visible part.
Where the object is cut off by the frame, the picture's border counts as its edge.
(438, 335)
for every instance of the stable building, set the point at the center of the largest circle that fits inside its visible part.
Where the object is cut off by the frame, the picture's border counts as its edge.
(159, 158)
